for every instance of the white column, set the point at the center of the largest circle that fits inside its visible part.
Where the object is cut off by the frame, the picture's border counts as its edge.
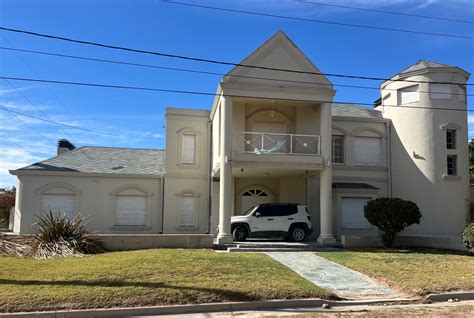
(326, 235)
(225, 184)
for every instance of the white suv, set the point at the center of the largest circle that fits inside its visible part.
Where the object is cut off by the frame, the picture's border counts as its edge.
(273, 219)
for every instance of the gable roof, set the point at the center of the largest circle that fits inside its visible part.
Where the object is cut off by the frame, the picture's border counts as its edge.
(257, 58)
(100, 160)
(353, 110)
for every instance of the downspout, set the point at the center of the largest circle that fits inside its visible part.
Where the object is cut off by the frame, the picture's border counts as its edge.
(162, 203)
(209, 151)
(389, 157)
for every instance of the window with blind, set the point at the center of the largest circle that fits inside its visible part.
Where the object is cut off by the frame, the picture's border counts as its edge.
(188, 154)
(338, 149)
(440, 91)
(188, 210)
(408, 95)
(58, 204)
(130, 210)
(368, 151)
(451, 138)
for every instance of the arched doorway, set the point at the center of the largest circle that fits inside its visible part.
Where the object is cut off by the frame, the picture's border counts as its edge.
(252, 197)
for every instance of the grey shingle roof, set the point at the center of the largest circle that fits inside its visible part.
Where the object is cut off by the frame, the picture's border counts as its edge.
(422, 64)
(352, 110)
(90, 159)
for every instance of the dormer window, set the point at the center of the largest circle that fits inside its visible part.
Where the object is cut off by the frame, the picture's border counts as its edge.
(440, 91)
(409, 95)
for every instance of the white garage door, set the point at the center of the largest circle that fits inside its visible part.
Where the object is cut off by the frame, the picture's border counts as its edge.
(353, 213)
(253, 197)
(58, 203)
(130, 210)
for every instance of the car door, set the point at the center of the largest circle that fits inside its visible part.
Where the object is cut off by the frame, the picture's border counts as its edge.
(263, 219)
(285, 216)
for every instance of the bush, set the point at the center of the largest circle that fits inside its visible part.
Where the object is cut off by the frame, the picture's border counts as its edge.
(60, 236)
(468, 237)
(391, 215)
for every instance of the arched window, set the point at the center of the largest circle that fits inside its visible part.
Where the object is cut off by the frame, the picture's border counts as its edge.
(188, 147)
(131, 206)
(59, 198)
(188, 210)
(368, 146)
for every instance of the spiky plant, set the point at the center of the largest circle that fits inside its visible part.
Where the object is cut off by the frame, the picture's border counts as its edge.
(60, 236)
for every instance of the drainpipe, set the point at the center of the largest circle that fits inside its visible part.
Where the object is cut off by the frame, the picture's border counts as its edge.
(388, 126)
(209, 151)
(162, 203)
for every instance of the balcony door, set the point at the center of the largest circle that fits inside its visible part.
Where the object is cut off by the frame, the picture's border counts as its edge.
(274, 136)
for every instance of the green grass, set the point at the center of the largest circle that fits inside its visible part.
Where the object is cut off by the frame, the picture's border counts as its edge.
(418, 271)
(147, 277)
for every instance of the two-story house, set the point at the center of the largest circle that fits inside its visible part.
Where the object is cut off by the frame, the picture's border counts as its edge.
(276, 136)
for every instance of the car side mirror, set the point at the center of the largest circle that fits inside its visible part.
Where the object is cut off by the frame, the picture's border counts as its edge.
(258, 214)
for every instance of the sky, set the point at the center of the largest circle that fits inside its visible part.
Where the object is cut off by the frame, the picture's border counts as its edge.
(138, 116)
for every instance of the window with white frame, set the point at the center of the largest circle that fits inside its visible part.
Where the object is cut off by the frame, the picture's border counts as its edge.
(452, 165)
(188, 154)
(130, 210)
(408, 95)
(188, 210)
(368, 151)
(440, 91)
(338, 149)
(462, 94)
(451, 138)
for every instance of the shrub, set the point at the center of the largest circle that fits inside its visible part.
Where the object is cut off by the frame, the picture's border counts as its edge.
(60, 236)
(391, 215)
(468, 237)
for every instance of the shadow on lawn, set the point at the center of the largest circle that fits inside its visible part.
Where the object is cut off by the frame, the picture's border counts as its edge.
(222, 293)
(409, 250)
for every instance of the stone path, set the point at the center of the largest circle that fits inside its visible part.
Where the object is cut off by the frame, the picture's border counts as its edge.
(344, 282)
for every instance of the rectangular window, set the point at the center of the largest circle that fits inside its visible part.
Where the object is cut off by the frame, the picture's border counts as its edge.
(409, 95)
(187, 211)
(338, 149)
(452, 165)
(440, 91)
(451, 138)
(130, 210)
(188, 149)
(462, 94)
(58, 204)
(368, 151)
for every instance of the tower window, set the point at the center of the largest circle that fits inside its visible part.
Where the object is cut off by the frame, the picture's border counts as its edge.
(452, 165)
(409, 95)
(451, 138)
(462, 94)
(440, 91)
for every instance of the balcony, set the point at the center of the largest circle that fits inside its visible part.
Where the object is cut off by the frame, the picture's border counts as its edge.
(259, 148)
(276, 144)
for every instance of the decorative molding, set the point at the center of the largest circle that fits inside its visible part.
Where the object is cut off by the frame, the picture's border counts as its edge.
(131, 186)
(359, 130)
(52, 185)
(450, 126)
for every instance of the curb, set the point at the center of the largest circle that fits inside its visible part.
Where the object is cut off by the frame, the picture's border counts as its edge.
(204, 308)
(467, 295)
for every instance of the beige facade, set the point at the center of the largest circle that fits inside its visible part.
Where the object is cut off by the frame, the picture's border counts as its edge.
(279, 137)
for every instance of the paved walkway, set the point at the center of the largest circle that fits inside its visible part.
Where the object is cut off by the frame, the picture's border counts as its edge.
(344, 282)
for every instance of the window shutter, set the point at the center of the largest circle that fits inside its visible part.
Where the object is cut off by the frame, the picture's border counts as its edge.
(187, 212)
(130, 210)
(440, 91)
(189, 149)
(58, 203)
(368, 151)
(409, 95)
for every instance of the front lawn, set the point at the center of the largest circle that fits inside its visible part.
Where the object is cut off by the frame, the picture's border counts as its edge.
(418, 271)
(147, 277)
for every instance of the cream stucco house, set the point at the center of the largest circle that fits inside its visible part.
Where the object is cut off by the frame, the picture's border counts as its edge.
(275, 137)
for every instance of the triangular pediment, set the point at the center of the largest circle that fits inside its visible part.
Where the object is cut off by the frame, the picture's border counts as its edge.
(281, 53)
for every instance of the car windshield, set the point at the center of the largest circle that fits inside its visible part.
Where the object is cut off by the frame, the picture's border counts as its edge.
(250, 210)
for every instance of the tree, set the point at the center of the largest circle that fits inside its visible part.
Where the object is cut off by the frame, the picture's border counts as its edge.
(7, 201)
(391, 215)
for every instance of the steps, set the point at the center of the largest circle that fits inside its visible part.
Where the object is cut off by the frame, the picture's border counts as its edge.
(277, 246)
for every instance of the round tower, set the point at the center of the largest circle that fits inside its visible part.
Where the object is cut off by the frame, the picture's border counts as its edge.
(428, 151)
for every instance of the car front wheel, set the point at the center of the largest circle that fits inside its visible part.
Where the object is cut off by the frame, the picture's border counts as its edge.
(240, 233)
(297, 234)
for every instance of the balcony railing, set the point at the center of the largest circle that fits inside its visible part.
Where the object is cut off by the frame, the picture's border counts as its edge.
(274, 143)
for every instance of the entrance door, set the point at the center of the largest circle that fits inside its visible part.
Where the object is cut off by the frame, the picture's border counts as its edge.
(252, 198)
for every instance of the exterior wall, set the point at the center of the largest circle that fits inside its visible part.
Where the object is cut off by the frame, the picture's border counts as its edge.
(183, 180)
(418, 148)
(94, 200)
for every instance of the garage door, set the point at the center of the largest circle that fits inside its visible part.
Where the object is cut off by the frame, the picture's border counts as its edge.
(130, 210)
(352, 210)
(58, 203)
(252, 198)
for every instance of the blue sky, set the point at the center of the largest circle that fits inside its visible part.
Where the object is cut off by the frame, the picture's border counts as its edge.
(157, 26)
